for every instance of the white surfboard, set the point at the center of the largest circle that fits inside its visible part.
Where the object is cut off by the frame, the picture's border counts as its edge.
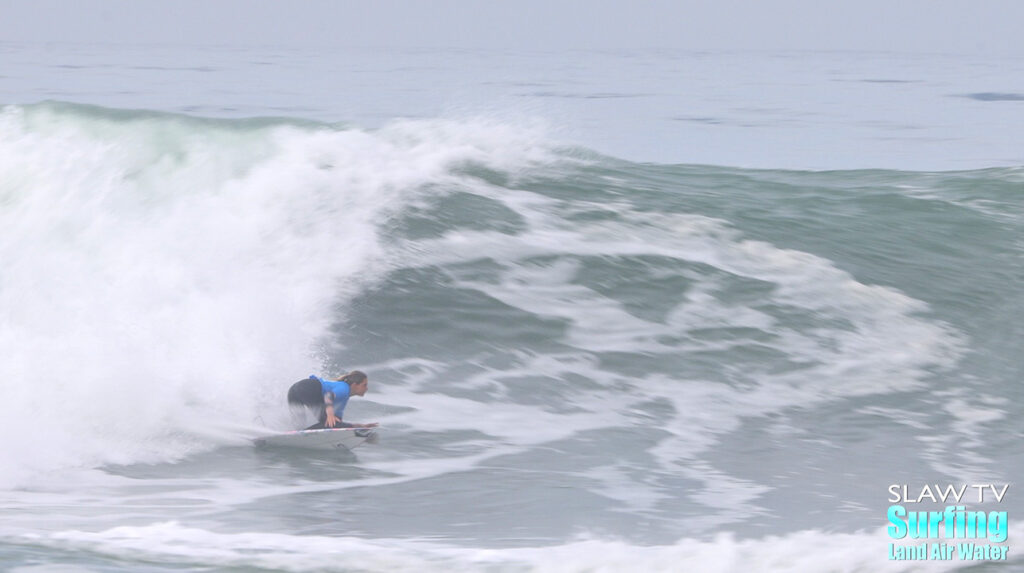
(326, 439)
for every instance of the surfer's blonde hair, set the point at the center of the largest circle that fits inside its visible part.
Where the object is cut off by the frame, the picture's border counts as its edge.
(354, 377)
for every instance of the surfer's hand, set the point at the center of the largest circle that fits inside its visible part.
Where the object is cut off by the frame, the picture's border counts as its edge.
(332, 420)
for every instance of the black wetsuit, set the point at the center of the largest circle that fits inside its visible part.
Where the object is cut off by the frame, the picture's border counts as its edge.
(309, 393)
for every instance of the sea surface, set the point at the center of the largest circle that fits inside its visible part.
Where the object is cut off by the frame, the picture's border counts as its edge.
(620, 311)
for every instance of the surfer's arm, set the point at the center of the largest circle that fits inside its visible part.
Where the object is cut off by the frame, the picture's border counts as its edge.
(332, 420)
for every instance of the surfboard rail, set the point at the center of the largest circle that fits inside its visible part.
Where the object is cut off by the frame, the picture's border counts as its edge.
(322, 439)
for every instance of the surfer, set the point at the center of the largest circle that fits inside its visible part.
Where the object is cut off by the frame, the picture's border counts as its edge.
(327, 398)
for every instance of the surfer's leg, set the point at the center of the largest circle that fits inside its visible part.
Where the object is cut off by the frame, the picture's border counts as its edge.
(300, 415)
(322, 425)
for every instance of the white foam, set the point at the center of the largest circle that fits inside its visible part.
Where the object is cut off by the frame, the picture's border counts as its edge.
(808, 551)
(882, 343)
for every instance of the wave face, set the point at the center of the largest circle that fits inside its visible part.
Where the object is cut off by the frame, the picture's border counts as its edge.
(559, 343)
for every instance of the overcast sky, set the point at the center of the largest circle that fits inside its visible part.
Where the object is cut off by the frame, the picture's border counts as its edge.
(933, 26)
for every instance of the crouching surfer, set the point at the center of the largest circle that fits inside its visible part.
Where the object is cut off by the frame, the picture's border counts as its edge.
(327, 399)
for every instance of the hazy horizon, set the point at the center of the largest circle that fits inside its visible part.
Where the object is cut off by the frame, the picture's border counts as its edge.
(908, 27)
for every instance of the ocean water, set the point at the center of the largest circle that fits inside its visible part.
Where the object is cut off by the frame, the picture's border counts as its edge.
(620, 311)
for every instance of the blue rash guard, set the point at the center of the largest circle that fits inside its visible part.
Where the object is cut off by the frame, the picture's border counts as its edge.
(339, 390)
